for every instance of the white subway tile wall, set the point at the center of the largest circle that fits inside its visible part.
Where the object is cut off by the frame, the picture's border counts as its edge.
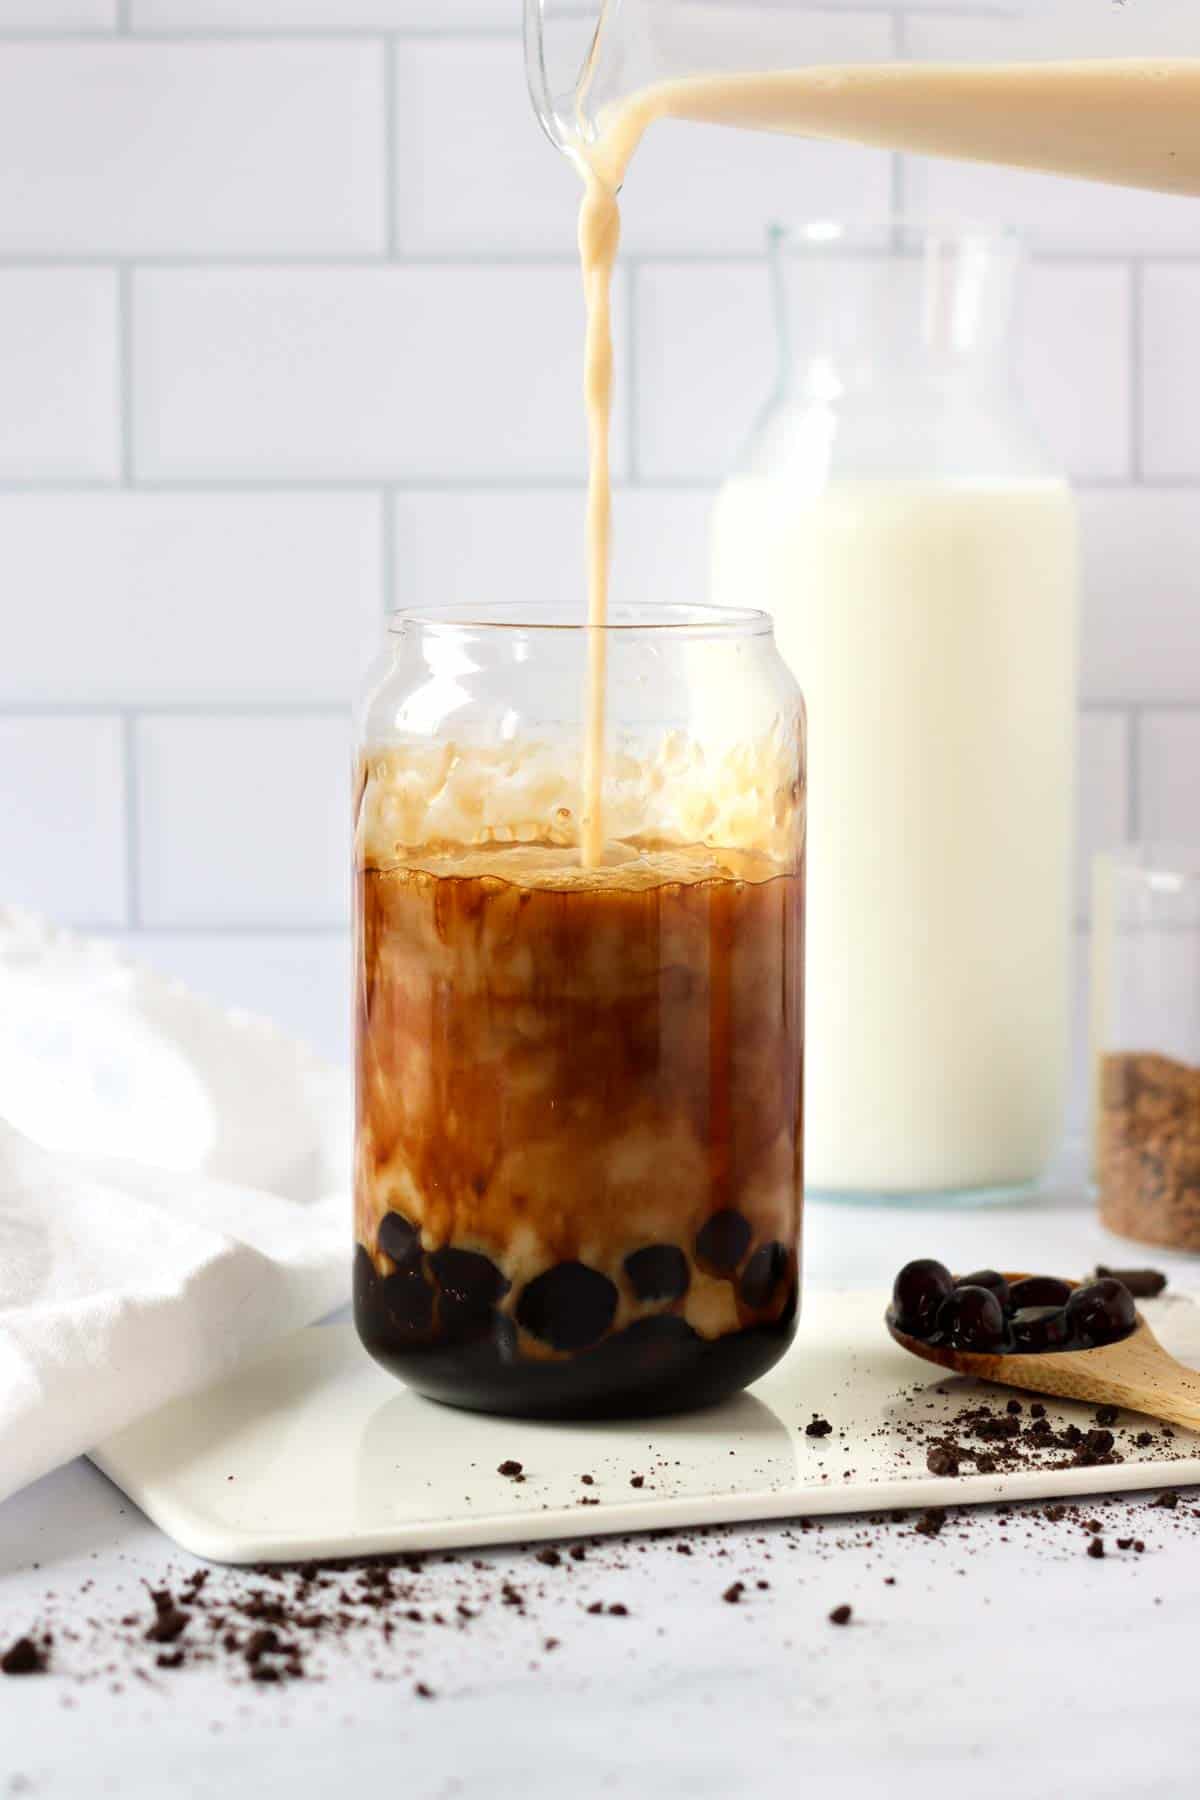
(290, 331)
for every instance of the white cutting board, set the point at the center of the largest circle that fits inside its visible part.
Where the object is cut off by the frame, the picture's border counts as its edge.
(313, 1451)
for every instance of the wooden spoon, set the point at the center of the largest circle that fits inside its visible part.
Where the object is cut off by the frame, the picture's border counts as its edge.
(1136, 1373)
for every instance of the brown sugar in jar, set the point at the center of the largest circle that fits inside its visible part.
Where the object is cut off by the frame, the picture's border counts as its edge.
(1148, 1149)
(1146, 1034)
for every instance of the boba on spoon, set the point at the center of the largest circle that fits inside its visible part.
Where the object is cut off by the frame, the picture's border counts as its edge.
(1076, 1341)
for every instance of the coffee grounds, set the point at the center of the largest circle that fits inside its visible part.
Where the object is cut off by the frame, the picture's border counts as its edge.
(24, 1658)
(841, 1615)
(733, 1594)
(1096, 1547)
(513, 1470)
(818, 1429)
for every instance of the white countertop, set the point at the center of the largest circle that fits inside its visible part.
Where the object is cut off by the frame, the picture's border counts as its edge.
(1003, 1660)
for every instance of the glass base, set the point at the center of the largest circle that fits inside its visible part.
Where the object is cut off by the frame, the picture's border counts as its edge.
(932, 1199)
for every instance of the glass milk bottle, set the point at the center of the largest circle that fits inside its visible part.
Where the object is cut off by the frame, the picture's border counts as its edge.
(897, 516)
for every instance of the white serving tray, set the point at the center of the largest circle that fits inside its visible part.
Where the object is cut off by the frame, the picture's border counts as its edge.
(313, 1451)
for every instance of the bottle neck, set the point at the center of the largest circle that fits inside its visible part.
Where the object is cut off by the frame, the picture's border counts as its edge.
(923, 314)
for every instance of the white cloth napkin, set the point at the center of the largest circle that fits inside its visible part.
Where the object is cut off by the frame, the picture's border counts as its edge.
(173, 1193)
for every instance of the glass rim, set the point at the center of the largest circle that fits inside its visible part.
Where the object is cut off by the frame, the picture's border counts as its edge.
(1152, 864)
(890, 234)
(626, 619)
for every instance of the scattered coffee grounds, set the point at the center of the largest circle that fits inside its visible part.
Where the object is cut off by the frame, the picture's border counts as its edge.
(423, 1692)
(1148, 1149)
(549, 1557)
(588, 1480)
(942, 1460)
(984, 1314)
(930, 1523)
(819, 1428)
(1143, 1284)
(637, 1481)
(1169, 1499)
(169, 1621)
(511, 1469)
(24, 1658)
(1107, 1415)
(733, 1593)
(1096, 1547)
(841, 1615)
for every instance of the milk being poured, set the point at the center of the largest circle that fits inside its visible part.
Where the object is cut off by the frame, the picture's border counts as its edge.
(1132, 123)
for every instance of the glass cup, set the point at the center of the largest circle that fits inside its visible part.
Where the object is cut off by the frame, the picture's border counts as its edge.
(579, 1112)
(1146, 1044)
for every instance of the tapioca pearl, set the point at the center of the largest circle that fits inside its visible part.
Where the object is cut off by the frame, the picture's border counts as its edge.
(406, 1300)
(568, 1307)
(366, 1279)
(659, 1272)
(504, 1338)
(399, 1239)
(1041, 1328)
(1102, 1311)
(468, 1278)
(723, 1242)
(764, 1276)
(1039, 1290)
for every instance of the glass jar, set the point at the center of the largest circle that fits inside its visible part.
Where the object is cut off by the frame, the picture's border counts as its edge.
(917, 549)
(579, 1113)
(1146, 1044)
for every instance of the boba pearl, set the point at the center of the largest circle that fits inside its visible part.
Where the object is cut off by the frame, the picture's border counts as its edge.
(659, 1272)
(764, 1276)
(724, 1241)
(399, 1239)
(1041, 1329)
(470, 1280)
(972, 1318)
(568, 1307)
(407, 1301)
(1102, 1312)
(1039, 1290)
(991, 1279)
(918, 1294)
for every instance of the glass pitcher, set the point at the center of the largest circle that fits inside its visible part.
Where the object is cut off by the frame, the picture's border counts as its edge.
(917, 548)
(606, 76)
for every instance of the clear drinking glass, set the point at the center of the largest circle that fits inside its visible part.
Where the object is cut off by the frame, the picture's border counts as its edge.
(1146, 1043)
(896, 514)
(579, 1125)
(582, 70)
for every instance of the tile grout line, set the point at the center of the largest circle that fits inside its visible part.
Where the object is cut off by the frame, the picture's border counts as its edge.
(133, 835)
(135, 711)
(391, 142)
(1133, 775)
(489, 261)
(223, 930)
(387, 540)
(187, 486)
(125, 370)
(632, 384)
(1137, 344)
(1093, 706)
